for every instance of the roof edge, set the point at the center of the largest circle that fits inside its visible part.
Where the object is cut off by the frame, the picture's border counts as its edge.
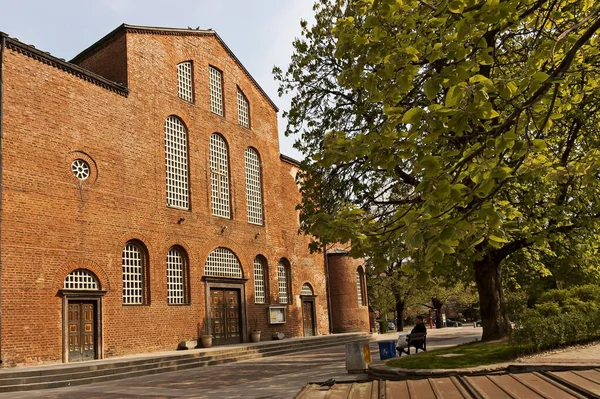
(68, 67)
(173, 31)
(291, 160)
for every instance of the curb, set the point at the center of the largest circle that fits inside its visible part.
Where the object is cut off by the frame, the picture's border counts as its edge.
(380, 371)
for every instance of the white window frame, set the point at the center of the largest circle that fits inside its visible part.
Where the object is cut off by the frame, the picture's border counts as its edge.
(176, 277)
(260, 286)
(222, 262)
(254, 205)
(219, 176)
(133, 267)
(215, 78)
(81, 279)
(360, 287)
(283, 282)
(243, 109)
(176, 163)
(185, 81)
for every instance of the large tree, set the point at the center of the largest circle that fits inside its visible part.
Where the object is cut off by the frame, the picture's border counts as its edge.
(444, 129)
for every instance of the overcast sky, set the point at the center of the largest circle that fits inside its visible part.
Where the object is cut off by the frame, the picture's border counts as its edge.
(259, 32)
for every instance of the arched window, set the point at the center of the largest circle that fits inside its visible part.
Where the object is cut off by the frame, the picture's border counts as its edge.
(219, 176)
(215, 78)
(243, 109)
(185, 86)
(133, 263)
(260, 286)
(177, 280)
(81, 279)
(359, 286)
(176, 161)
(253, 187)
(223, 263)
(283, 281)
(307, 290)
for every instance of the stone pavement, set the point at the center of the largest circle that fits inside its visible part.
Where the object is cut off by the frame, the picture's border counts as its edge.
(581, 354)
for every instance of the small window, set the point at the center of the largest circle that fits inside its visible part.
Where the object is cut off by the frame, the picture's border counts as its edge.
(219, 176)
(80, 169)
(243, 109)
(306, 290)
(254, 204)
(184, 81)
(260, 271)
(359, 287)
(81, 279)
(216, 90)
(176, 277)
(223, 263)
(133, 265)
(283, 277)
(176, 163)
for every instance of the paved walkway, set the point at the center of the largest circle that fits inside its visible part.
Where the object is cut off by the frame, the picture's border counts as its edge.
(584, 354)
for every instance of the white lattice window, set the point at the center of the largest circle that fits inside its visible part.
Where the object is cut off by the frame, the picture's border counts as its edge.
(216, 90)
(184, 81)
(243, 109)
(253, 187)
(176, 292)
(283, 283)
(219, 176)
(222, 263)
(176, 162)
(259, 280)
(359, 287)
(133, 274)
(81, 279)
(306, 290)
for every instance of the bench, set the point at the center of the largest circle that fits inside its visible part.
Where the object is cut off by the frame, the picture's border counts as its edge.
(416, 340)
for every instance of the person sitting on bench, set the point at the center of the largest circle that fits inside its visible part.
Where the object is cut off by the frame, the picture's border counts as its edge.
(403, 343)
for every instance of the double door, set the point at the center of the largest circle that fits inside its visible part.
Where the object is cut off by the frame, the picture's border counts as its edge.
(225, 316)
(82, 330)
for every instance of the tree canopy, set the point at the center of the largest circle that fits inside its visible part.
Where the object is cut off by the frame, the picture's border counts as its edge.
(450, 131)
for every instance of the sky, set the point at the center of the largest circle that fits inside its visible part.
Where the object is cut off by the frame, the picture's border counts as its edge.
(259, 32)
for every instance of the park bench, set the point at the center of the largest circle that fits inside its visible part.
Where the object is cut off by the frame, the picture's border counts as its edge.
(416, 340)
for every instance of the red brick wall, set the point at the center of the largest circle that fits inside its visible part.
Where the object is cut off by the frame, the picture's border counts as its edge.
(52, 224)
(108, 60)
(346, 314)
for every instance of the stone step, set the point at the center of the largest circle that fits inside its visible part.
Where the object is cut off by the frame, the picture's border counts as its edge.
(79, 374)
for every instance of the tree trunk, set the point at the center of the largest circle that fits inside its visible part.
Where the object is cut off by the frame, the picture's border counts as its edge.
(494, 319)
(400, 314)
(437, 305)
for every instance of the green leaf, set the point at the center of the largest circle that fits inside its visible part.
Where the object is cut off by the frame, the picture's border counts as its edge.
(497, 239)
(413, 115)
(540, 76)
(454, 96)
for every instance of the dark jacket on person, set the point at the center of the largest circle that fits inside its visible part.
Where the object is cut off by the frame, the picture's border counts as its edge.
(419, 328)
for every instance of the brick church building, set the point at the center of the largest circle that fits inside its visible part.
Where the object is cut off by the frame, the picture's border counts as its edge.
(144, 202)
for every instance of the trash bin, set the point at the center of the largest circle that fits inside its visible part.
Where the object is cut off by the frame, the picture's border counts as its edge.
(387, 349)
(358, 357)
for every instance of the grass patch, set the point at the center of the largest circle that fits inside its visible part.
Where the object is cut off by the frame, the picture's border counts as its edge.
(473, 354)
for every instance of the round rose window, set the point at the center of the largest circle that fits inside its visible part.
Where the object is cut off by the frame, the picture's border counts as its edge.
(80, 169)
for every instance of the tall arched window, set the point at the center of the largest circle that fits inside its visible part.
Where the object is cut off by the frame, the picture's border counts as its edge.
(222, 262)
(260, 274)
(185, 86)
(359, 286)
(176, 162)
(253, 187)
(133, 263)
(177, 277)
(283, 281)
(219, 176)
(243, 109)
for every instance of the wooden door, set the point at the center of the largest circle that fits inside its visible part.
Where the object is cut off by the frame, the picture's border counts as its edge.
(225, 316)
(82, 331)
(308, 318)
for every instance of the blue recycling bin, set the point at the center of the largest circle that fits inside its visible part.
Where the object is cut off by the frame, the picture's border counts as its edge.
(387, 349)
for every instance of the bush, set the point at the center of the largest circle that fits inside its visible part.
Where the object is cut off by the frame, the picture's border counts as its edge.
(383, 326)
(561, 317)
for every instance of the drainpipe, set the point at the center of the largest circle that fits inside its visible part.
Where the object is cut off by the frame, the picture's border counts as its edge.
(2, 47)
(329, 316)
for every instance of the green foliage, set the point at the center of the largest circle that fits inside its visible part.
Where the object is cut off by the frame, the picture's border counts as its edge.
(450, 132)
(473, 355)
(561, 317)
(383, 326)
